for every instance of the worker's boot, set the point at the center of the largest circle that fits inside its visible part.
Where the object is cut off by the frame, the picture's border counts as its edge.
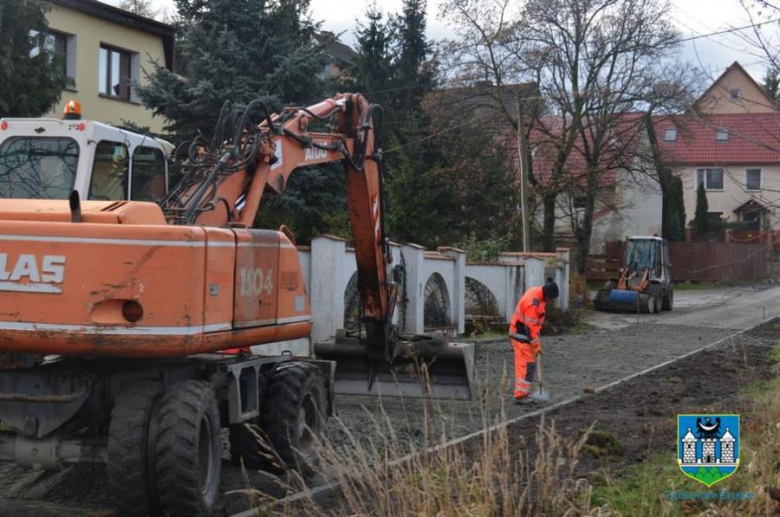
(525, 401)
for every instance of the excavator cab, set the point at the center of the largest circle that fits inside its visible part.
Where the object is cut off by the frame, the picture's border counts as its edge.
(47, 159)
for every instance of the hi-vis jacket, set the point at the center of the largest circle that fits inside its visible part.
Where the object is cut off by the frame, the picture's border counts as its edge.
(529, 314)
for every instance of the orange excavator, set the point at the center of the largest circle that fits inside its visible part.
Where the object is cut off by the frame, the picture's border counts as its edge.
(142, 324)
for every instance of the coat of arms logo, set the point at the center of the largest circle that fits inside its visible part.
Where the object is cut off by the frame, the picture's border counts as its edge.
(708, 446)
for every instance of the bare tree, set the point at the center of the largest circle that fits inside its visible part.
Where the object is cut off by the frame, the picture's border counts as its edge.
(592, 63)
(489, 86)
(139, 7)
(597, 61)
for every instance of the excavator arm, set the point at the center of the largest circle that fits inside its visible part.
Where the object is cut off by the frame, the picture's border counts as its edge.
(225, 185)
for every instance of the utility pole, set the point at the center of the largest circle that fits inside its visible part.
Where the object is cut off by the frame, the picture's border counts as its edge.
(523, 165)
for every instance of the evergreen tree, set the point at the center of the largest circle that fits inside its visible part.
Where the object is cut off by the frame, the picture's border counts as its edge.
(414, 69)
(373, 69)
(394, 55)
(675, 230)
(701, 222)
(314, 202)
(772, 82)
(31, 80)
(236, 50)
(418, 200)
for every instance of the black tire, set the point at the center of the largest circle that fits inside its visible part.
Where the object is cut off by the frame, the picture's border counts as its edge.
(188, 450)
(131, 462)
(646, 303)
(669, 300)
(248, 443)
(294, 417)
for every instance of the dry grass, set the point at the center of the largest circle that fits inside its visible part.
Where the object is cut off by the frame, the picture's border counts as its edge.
(480, 479)
(499, 475)
(579, 290)
(491, 475)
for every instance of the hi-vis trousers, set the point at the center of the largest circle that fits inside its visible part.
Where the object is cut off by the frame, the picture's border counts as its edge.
(525, 368)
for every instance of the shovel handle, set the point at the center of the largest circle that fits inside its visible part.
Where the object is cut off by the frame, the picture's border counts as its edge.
(539, 368)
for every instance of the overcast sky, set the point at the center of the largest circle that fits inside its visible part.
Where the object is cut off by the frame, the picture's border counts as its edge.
(693, 17)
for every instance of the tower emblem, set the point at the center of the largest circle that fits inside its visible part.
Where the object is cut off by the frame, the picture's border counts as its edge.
(708, 446)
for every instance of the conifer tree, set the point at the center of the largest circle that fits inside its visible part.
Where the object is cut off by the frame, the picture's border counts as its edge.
(236, 50)
(372, 71)
(701, 222)
(31, 80)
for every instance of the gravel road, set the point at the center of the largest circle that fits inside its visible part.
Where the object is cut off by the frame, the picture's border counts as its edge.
(571, 363)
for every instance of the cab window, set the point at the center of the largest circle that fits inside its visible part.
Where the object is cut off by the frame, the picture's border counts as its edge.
(38, 167)
(148, 180)
(109, 173)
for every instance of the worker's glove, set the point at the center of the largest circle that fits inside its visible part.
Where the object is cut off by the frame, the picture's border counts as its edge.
(536, 347)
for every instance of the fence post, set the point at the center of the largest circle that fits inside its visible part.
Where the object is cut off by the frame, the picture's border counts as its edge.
(534, 272)
(562, 277)
(414, 306)
(327, 303)
(459, 286)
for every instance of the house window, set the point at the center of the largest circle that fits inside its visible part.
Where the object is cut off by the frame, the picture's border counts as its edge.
(109, 173)
(753, 179)
(61, 47)
(712, 178)
(714, 217)
(115, 73)
(58, 43)
(670, 135)
(722, 135)
(579, 202)
(751, 216)
(735, 94)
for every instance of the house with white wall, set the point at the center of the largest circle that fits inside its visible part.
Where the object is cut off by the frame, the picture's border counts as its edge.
(730, 142)
(628, 200)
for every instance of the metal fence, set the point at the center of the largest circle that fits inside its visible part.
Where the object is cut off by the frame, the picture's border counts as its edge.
(693, 261)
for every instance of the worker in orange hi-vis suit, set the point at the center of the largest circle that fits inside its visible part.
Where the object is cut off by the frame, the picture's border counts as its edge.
(527, 325)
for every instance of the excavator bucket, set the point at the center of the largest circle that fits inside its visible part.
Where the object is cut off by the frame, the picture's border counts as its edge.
(424, 366)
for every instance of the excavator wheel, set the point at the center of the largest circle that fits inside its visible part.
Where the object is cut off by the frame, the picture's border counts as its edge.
(294, 416)
(131, 450)
(248, 442)
(188, 450)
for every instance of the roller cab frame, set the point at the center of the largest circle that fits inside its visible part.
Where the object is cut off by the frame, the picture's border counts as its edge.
(645, 282)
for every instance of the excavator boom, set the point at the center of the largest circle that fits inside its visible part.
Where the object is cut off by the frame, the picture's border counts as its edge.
(189, 275)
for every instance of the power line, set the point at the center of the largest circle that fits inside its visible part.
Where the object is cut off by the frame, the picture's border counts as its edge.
(434, 135)
(727, 31)
(451, 128)
(694, 31)
(697, 36)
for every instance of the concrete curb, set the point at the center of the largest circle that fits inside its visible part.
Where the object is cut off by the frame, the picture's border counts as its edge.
(323, 491)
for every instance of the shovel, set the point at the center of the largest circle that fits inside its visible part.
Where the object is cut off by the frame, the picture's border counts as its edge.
(538, 393)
